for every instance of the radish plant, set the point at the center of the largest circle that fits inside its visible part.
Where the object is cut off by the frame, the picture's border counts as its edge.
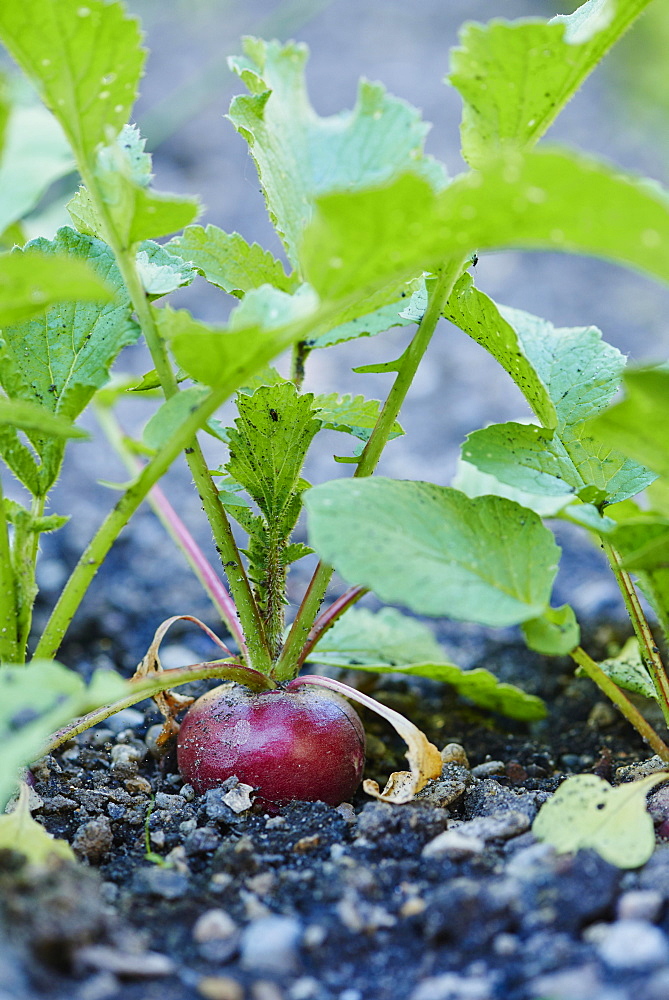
(376, 235)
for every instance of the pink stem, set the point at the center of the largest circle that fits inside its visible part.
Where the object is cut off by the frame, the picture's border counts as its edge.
(346, 690)
(327, 618)
(210, 581)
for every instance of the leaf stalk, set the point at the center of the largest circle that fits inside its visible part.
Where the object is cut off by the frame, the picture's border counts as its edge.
(613, 692)
(9, 646)
(649, 650)
(288, 663)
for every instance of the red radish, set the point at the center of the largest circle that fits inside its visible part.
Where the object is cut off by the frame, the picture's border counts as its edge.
(307, 743)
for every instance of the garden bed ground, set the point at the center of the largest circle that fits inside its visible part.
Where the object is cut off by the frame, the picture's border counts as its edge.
(355, 903)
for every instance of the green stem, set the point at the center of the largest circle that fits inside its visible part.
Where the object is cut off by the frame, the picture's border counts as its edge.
(275, 591)
(9, 645)
(288, 664)
(649, 651)
(240, 588)
(147, 687)
(26, 549)
(326, 619)
(407, 365)
(612, 691)
(99, 546)
(298, 362)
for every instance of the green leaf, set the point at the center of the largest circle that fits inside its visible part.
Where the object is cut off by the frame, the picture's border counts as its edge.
(137, 212)
(484, 321)
(300, 156)
(59, 360)
(265, 323)
(550, 463)
(62, 358)
(169, 417)
(554, 633)
(644, 546)
(390, 642)
(434, 550)
(86, 60)
(361, 637)
(516, 77)
(351, 414)
(637, 425)
(567, 375)
(268, 446)
(544, 200)
(643, 542)
(628, 670)
(37, 699)
(474, 483)
(587, 812)
(20, 832)
(339, 247)
(229, 262)
(406, 309)
(161, 271)
(30, 417)
(35, 155)
(30, 283)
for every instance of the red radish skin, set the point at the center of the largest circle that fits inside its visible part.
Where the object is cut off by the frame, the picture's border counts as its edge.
(306, 744)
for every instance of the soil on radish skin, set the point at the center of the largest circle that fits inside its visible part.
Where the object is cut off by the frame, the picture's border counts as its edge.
(316, 903)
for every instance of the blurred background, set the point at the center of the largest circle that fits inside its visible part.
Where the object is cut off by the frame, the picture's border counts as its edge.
(621, 114)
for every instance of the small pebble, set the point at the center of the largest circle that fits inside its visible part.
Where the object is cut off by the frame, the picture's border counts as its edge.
(270, 945)
(127, 718)
(304, 988)
(451, 986)
(306, 844)
(100, 986)
(632, 772)
(640, 904)
(163, 882)
(153, 742)
(202, 840)
(213, 925)
(125, 760)
(172, 803)
(138, 785)
(454, 753)
(275, 822)
(489, 768)
(93, 840)
(132, 965)
(633, 944)
(578, 983)
(187, 792)
(314, 936)
(454, 844)
(346, 810)
(263, 989)
(470, 837)
(220, 988)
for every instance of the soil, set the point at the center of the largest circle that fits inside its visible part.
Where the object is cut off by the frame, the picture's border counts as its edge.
(177, 896)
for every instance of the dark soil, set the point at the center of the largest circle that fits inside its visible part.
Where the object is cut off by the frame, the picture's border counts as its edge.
(354, 903)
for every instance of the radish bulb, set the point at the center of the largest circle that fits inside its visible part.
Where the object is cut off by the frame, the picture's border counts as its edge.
(306, 744)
